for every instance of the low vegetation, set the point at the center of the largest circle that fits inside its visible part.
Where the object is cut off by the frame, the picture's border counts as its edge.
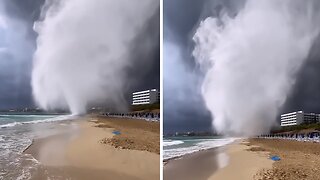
(297, 128)
(145, 107)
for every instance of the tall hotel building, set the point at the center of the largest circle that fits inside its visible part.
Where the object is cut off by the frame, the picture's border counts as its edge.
(299, 117)
(146, 97)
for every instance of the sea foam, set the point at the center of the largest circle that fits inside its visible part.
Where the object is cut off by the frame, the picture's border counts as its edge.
(204, 144)
(51, 119)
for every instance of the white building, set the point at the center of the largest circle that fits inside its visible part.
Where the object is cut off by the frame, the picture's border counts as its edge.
(299, 117)
(150, 96)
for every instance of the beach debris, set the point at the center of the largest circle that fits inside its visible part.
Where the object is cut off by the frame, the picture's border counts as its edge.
(257, 149)
(275, 158)
(116, 132)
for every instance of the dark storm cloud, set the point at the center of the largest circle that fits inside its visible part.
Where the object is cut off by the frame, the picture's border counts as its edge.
(26, 11)
(181, 17)
(147, 46)
(183, 106)
(306, 92)
(16, 60)
(184, 109)
(17, 43)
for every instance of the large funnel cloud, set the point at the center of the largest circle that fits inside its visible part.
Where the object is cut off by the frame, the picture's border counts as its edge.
(83, 51)
(251, 59)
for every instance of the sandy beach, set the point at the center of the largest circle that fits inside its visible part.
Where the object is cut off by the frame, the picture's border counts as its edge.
(93, 151)
(299, 160)
(250, 159)
(243, 163)
(233, 161)
(198, 165)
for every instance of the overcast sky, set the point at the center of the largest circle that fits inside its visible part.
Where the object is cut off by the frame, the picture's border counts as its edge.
(184, 109)
(17, 45)
(183, 105)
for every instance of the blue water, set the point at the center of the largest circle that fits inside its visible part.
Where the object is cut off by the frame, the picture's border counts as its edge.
(10, 120)
(16, 133)
(174, 147)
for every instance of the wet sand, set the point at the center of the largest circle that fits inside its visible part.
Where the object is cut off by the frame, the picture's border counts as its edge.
(243, 163)
(233, 161)
(251, 160)
(80, 154)
(199, 165)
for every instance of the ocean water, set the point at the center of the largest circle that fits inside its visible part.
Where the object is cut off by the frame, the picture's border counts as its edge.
(16, 133)
(174, 147)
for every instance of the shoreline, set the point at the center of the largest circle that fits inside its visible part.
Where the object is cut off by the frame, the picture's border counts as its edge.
(249, 159)
(197, 165)
(224, 162)
(244, 163)
(166, 161)
(80, 154)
